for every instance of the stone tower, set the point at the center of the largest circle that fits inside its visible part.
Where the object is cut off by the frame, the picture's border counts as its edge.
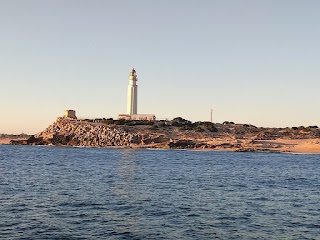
(132, 93)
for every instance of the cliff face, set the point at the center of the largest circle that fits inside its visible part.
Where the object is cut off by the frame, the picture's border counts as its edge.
(74, 133)
(69, 132)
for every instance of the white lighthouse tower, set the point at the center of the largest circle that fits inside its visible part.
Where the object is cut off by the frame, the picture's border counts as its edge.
(132, 93)
(132, 104)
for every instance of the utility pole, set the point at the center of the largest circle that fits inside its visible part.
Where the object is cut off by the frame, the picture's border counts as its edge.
(211, 115)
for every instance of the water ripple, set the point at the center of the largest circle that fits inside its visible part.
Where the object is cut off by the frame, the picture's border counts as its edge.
(77, 193)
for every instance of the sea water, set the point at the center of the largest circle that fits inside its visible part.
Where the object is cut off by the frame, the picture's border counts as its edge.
(91, 193)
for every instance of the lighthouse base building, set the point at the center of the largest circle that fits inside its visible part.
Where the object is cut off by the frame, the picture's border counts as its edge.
(140, 117)
(132, 103)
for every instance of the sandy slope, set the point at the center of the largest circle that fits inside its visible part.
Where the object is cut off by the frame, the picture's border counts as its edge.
(298, 145)
(5, 140)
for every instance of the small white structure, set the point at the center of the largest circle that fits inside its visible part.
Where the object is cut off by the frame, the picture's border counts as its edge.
(132, 102)
(69, 114)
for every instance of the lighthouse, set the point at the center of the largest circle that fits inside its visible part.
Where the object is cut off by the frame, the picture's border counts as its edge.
(132, 93)
(132, 102)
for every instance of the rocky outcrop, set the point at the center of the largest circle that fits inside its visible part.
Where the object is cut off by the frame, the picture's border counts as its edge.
(182, 144)
(19, 142)
(159, 134)
(76, 133)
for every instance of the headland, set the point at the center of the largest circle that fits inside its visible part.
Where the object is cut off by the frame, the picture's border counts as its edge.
(178, 133)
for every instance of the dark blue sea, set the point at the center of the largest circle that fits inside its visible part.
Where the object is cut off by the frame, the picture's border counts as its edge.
(91, 193)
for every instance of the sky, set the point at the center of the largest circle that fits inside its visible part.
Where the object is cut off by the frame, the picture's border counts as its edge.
(250, 61)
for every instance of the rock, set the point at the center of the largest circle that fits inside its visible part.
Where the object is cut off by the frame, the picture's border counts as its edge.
(160, 139)
(18, 142)
(68, 132)
(181, 144)
(77, 133)
(32, 140)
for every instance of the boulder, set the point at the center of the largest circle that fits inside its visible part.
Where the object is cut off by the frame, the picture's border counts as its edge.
(181, 144)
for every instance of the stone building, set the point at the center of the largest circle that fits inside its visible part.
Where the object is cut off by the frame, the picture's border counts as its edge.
(70, 114)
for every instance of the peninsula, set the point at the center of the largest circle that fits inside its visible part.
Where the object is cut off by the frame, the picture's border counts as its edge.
(178, 133)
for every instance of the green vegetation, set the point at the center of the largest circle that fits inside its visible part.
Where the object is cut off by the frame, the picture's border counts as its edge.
(196, 126)
(107, 121)
(22, 135)
(154, 127)
(180, 122)
(227, 122)
(198, 129)
(120, 121)
(138, 122)
(132, 122)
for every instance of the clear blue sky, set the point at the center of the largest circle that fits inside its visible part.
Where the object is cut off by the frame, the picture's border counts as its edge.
(251, 61)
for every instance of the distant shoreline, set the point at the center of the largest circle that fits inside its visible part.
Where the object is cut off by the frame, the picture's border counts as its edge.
(176, 134)
(300, 146)
(7, 138)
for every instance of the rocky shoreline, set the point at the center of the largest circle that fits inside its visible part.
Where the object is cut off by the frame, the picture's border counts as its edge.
(176, 134)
